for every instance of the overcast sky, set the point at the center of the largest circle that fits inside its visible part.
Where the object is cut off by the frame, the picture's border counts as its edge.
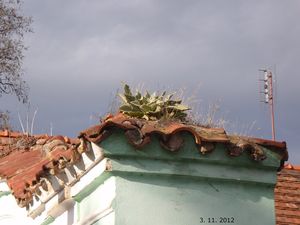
(81, 51)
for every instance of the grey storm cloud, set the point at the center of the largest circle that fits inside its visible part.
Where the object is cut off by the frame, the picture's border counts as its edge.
(81, 51)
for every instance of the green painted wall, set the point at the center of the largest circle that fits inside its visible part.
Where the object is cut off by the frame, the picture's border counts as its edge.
(182, 201)
(154, 186)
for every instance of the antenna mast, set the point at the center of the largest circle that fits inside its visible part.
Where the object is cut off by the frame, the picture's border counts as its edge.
(268, 96)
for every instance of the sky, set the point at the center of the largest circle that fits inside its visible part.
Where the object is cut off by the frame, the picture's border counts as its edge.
(209, 52)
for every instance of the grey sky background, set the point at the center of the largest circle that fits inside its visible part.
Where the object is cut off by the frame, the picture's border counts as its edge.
(81, 51)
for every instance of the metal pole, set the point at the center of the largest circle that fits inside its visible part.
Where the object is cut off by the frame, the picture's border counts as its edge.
(271, 102)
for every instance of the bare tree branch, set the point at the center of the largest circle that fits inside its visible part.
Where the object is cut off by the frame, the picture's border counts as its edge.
(13, 26)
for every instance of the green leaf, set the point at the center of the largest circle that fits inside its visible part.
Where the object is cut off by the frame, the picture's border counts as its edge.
(127, 89)
(135, 114)
(146, 108)
(129, 97)
(123, 98)
(179, 107)
(138, 96)
(169, 97)
(173, 102)
(135, 103)
(151, 107)
(159, 102)
(147, 94)
(125, 108)
(158, 109)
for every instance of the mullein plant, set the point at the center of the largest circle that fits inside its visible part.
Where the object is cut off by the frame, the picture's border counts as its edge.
(152, 106)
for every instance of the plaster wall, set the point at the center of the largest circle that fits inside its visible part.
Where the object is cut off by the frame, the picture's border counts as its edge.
(170, 200)
(155, 186)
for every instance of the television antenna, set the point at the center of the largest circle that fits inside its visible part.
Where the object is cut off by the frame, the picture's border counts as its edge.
(268, 97)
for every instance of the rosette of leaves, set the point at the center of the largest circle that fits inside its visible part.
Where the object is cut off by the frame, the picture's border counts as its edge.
(151, 107)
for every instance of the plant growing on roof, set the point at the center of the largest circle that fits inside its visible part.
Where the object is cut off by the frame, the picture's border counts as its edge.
(151, 107)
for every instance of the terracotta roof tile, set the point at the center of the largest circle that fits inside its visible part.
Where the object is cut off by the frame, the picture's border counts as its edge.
(25, 160)
(287, 195)
(4, 133)
(139, 131)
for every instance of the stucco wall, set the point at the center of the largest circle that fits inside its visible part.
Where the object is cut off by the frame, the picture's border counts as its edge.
(153, 186)
(181, 201)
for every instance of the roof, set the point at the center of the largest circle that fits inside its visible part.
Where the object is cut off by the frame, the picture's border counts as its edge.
(139, 131)
(287, 196)
(25, 160)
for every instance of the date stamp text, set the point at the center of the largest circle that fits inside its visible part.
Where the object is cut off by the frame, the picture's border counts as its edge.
(217, 220)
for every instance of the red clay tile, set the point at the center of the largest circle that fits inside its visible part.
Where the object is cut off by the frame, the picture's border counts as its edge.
(287, 196)
(14, 134)
(146, 128)
(6, 140)
(22, 167)
(4, 133)
(287, 220)
(24, 159)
